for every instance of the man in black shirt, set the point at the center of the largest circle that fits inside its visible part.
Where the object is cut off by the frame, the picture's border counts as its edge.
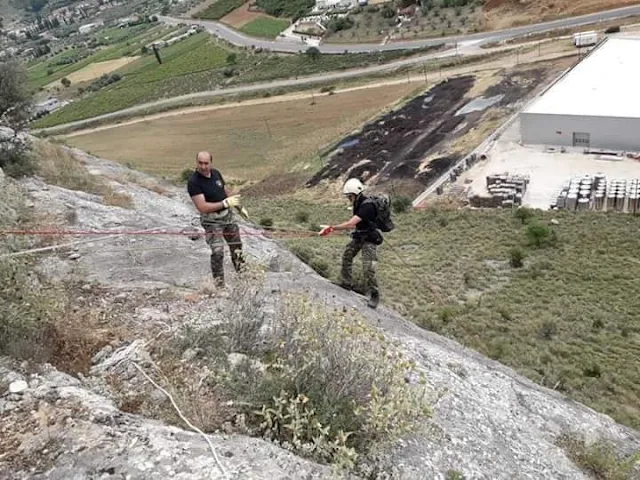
(213, 200)
(365, 238)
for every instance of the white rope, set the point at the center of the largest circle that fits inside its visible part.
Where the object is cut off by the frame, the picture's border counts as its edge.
(184, 419)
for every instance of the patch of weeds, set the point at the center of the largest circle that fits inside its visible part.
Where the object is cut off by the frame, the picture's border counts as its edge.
(302, 253)
(516, 257)
(118, 199)
(547, 330)
(592, 370)
(447, 314)
(597, 324)
(454, 475)
(266, 222)
(599, 459)
(302, 217)
(320, 266)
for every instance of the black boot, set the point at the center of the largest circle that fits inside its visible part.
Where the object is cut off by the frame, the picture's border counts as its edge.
(374, 299)
(345, 285)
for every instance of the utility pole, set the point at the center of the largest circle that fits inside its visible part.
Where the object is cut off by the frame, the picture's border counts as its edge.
(424, 69)
(539, 43)
(408, 77)
(157, 52)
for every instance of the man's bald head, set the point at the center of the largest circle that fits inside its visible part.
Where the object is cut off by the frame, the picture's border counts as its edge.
(203, 163)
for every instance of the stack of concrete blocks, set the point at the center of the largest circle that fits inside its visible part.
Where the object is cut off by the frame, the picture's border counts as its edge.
(507, 190)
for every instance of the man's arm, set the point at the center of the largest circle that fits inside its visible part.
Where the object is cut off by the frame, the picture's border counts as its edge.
(348, 225)
(206, 207)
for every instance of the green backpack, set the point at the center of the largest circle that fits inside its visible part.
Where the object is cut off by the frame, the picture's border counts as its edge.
(382, 203)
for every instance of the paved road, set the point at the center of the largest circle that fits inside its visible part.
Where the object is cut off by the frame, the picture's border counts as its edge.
(281, 45)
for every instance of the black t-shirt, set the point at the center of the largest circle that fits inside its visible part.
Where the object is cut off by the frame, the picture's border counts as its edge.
(367, 213)
(211, 187)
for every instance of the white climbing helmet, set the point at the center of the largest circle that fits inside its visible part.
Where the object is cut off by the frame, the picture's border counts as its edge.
(353, 186)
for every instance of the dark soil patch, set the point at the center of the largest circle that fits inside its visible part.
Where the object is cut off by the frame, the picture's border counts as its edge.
(393, 145)
(517, 85)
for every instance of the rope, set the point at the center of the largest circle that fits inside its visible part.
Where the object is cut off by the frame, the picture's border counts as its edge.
(184, 419)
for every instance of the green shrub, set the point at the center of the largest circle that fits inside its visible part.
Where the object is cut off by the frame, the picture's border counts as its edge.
(266, 222)
(186, 174)
(599, 459)
(401, 204)
(523, 214)
(302, 217)
(538, 234)
(311, 398)
(516, 257)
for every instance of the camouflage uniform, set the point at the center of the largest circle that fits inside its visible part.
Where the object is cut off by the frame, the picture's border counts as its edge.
(221, 225)
(369, 261)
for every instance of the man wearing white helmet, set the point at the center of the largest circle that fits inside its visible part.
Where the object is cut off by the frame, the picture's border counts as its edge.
(365, 239)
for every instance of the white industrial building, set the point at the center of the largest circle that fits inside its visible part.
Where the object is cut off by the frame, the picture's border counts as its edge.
(596, 104)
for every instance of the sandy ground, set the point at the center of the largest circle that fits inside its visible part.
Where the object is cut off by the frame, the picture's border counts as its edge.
(501, 14)
(548, 171)
(240, 16)
(96, 70)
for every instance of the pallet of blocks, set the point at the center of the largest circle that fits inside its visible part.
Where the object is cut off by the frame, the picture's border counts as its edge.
(507, 190)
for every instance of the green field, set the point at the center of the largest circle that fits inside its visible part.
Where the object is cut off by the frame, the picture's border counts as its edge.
(128, 46)
(199, 64)
(568, 319)
(219, 9)
(265, 27)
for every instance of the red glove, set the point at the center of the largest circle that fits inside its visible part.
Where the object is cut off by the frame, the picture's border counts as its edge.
(327, 230)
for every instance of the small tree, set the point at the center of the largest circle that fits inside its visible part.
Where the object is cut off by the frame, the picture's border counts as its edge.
(66, 83)
(538, 234)
(232, 58)
(523, 214)
(15, 109)
(313, 53)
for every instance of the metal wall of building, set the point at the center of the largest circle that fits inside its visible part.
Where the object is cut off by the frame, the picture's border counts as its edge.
(558, 130)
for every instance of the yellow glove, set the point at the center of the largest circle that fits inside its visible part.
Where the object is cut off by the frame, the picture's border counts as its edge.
(243, 212)
(232, 201)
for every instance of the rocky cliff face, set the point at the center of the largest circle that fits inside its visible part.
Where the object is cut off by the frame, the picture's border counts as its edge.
(488, 421)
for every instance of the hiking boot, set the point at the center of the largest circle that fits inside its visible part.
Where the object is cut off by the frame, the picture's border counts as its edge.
(374, 299)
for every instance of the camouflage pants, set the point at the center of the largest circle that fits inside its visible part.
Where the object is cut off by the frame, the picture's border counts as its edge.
(221, 228)
(369, 261)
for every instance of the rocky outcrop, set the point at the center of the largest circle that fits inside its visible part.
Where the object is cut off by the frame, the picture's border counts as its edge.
(489, 422)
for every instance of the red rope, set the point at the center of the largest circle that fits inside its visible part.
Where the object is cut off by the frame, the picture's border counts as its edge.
(58, 232)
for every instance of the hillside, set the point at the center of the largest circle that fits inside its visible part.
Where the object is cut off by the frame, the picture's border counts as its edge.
(141, 304)
(501, 14)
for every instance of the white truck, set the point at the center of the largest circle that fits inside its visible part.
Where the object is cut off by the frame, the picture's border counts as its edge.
(585, 39)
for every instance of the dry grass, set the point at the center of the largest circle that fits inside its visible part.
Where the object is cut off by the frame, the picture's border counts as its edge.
(501, 14)
(57, 166)
(95, 70)
(583, 287)
(248, 143)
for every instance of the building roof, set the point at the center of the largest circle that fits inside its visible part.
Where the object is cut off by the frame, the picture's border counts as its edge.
(604, 84)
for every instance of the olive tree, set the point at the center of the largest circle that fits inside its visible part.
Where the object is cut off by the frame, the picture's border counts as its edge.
(15, 109)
